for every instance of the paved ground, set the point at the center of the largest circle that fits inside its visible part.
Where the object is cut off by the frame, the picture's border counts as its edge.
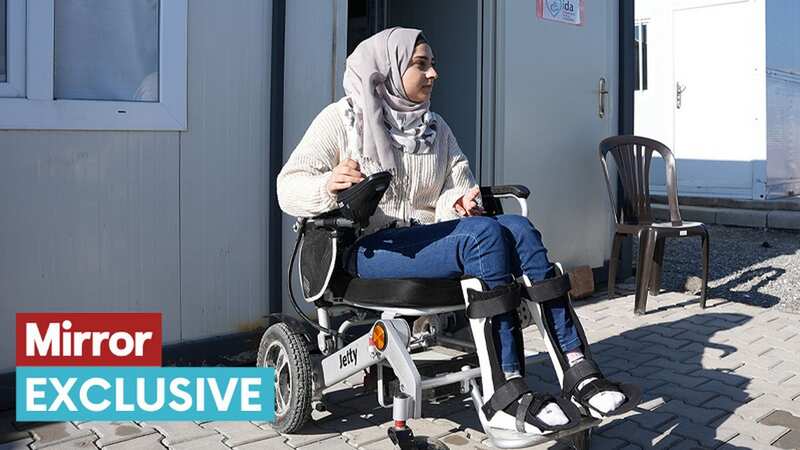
(712, 379)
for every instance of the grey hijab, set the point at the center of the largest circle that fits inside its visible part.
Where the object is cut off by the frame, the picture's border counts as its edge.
(373, 82)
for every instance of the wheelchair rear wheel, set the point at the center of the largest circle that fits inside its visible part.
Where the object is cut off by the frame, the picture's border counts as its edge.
(285, 351)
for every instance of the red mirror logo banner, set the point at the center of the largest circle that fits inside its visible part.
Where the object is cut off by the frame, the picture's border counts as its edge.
(88, 339)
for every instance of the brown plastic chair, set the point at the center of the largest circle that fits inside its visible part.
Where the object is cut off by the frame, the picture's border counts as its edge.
(633, 155)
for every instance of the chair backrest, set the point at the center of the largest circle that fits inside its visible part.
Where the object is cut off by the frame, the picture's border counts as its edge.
(633, 155)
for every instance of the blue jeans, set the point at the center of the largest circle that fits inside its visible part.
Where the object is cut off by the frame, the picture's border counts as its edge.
(494, 249)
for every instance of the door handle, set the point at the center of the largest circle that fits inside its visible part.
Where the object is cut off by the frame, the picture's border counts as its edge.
(602, 93)
(679, 90)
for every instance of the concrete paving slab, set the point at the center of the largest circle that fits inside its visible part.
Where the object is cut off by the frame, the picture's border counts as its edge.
(213, 442)
(50, 434)
(272, 444)
(83, 443)
(360, 432)
(20, 444)
(688, 213)
(763, 433)
(765, 404)
(742, 217)
(635, 434)
(460, 441)
(240, 433)
(179, 432)
(337, 443)
(113, 432)
(741, 442)
(698, 214)
(784, 220)
(147, 442)
(308, 435)
(385, 444)
(687, 445)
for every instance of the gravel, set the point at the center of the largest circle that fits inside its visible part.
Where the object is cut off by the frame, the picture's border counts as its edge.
(748, 265)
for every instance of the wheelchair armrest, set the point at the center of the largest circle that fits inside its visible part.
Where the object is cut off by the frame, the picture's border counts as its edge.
(332, 220)
(492, 195)
(516, 190)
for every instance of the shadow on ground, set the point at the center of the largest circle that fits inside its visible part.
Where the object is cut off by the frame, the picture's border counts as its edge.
(688, 382)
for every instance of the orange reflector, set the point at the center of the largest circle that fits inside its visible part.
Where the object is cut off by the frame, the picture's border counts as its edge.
(379, 336)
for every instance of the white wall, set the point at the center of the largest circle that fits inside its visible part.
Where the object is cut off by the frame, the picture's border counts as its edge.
(316, 47)
(783, 97)
(721, 147)
(151, 221)
(653, 107)
(783, 35)
(548, 126)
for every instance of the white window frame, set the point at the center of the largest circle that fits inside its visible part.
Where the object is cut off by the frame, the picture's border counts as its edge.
(14, 86)
(38, 110)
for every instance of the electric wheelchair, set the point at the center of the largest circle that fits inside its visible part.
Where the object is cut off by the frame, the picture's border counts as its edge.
(381, 325)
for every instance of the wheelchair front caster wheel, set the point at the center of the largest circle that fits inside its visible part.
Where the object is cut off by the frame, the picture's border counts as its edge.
(285, 351)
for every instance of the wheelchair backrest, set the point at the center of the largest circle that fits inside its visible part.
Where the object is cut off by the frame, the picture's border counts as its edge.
(317, 260)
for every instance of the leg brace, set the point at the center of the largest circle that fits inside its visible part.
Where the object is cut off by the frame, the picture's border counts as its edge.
(507, 404)
(557, 288)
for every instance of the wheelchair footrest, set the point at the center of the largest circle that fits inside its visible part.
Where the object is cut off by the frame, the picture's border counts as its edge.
(515, 439)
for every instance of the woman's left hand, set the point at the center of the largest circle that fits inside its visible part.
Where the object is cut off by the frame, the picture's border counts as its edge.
(468, 205)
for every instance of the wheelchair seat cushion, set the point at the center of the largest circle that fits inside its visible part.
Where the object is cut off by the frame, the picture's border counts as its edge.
(405, 292)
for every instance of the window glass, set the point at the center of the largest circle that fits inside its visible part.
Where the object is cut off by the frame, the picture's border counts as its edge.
(640, 57)
(106, 50)
(3, 40)
(636, 53)
(644, 56)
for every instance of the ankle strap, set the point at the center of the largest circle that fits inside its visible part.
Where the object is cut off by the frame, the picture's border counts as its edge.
(549, 289)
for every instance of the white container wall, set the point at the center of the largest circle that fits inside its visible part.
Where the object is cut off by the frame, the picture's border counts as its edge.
(172, 222)
(783, 98)
(705, 66)
(549, 123)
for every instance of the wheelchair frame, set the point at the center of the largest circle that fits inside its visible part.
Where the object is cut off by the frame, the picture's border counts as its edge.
(389, 343)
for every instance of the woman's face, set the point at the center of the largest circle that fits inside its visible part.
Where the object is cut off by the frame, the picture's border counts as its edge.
(419, 76)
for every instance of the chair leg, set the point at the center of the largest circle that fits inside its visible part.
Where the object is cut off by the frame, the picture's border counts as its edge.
(657, 267)
(647, 240)
(704, 290)
(614, 263)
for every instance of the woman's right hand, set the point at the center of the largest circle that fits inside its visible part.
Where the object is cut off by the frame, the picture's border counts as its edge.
(344, 175)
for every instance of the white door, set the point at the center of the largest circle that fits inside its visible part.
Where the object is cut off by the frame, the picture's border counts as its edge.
(549, 122)
(715, 93)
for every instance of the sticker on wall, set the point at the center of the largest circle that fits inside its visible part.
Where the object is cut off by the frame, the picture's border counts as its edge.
(565, 11)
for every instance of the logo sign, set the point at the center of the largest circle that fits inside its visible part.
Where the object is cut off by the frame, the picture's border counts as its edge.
(88, 339)
(565, 11)
(145, 393)
(106, 366)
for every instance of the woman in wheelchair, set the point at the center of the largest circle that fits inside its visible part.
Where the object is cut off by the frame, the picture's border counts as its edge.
(430, 224)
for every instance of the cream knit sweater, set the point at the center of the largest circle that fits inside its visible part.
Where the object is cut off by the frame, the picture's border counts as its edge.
(425, 188)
